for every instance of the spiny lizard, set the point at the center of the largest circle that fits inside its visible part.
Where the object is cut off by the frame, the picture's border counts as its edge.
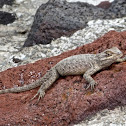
(86, 64)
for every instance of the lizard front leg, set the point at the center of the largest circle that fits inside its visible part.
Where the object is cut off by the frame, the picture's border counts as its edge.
(88, 78)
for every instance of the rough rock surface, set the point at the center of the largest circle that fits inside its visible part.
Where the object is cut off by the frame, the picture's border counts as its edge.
(104, 4)
(6, 18)
(13, 36)
(67, 101)
(94, 2)
(57, 18)
(118, 8)
(7, 2)
(14, 39)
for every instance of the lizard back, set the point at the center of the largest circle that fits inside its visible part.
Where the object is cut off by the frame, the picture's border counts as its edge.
(75, 65)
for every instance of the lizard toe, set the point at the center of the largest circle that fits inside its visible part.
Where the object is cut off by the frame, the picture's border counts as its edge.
(34, 96)
(40, 95)
(92, 85)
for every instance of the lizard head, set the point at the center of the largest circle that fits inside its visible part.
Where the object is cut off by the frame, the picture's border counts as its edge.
(109, 56)
(113, 53)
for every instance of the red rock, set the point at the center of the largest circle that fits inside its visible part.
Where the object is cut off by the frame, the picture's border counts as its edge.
(67, 101)
(104, 4)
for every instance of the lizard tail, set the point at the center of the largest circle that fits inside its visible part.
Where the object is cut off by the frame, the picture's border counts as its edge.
(21, 89)
(52, 75)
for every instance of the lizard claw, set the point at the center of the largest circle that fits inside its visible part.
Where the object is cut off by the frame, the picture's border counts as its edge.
(92, 85)
(40, 95)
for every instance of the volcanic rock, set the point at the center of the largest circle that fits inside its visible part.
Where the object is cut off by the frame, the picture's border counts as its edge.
(58, 17)
(7, 2)
(6, 18)
(66, 101)
(104, 4)
(118, 7)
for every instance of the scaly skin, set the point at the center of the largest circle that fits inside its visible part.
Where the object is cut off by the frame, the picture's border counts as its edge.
(86, 64)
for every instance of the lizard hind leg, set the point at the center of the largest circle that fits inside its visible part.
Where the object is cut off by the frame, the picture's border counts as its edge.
(47, 80)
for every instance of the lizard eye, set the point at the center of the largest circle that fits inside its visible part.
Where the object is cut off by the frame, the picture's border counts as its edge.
(109, 53)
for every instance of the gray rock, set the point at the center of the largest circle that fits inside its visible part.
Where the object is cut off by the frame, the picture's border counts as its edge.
(6, 18)
(118, 8)
(57, 18)
(7, 2)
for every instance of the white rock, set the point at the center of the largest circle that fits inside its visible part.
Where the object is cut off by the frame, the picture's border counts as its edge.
(94, 2)
(19, 1)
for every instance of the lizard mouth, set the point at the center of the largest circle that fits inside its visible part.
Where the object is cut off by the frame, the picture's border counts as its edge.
(120, 54)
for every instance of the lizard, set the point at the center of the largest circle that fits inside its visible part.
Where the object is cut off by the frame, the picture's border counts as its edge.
(86, 64)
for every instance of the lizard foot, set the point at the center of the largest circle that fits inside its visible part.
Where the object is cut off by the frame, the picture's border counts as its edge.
(92, 85)
(40, 95)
